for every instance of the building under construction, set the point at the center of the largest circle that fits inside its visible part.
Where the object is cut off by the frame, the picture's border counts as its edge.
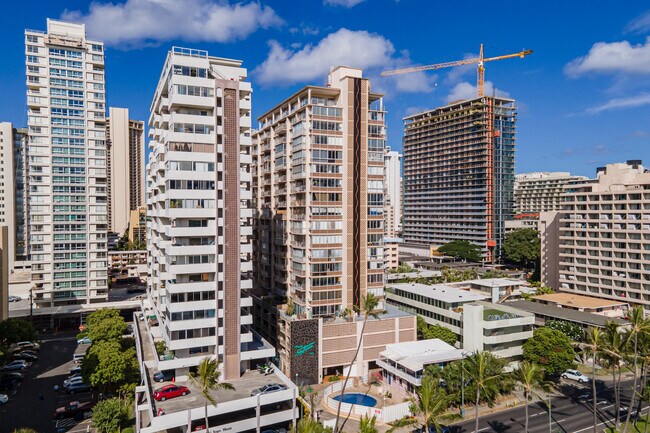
(459, 163)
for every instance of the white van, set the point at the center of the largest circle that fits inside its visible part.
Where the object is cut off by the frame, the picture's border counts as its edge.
(77, 357)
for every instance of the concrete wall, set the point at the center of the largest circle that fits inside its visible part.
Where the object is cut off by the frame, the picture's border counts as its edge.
(549, 229)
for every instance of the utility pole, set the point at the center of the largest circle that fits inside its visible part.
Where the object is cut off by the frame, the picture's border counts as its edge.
(31, 305)
(462, 388)
(550, 417)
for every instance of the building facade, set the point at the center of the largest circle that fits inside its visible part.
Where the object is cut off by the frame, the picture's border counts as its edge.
(602, 236)
(13, 178)
(541, 191)
(67, 196)
(138, 226)
(459, 174)
(393, 192)
(125, 144)
(199, 206)
(4, 272)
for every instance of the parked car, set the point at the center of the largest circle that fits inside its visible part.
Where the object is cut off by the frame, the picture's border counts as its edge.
(170, 391)
(84, 340)
(26, 355)
(13, 374)
(7, 383)
(275, 430)
(266, 389)
(75, 370)
(575, 375)
(164, 376)
(24, 345)
(13, 298)
(78, 387)
(18, 364)
(72, 409)
(3, 398)
(72, 381)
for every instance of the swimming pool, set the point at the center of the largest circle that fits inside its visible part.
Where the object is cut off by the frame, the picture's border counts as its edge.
(356, 398)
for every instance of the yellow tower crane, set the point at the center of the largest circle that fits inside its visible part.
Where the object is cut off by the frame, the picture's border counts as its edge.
(480, 73)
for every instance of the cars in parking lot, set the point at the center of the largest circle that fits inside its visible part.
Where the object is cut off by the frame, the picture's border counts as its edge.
(26, 355)
(7, 383)
(84, 340)
(19, 364)
(575, 375)
(24, 345)
(170, 391)
(75, 370)
(72, 381)
(13, 298)
(3, 398)
(164, 376)
(13, 374)
(266, 389)
(78, 387)
(72, 409)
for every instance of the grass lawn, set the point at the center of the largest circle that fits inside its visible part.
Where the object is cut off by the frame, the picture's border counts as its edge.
(640, 426)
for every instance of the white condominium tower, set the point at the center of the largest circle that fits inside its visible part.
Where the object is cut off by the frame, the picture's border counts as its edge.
(66, 164)
(541, 191)
(199, 202)
(393, 192)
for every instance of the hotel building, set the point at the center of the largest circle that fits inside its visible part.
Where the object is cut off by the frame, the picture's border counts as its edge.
(67, 195)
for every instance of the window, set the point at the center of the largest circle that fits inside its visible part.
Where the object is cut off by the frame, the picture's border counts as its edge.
(190, 71)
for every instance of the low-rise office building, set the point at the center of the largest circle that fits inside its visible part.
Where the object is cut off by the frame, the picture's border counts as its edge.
(498, 289)
(588, 304)
(544, 313)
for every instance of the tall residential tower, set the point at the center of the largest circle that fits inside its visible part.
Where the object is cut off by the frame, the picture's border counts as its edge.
(67, 164)
(459, 163)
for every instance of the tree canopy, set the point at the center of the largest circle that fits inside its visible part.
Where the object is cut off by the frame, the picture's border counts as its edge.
(462, 250)
(426, 332)
(573, 331)
(110, 366)
(105, 324)
(109, 415)
(522, 246)
(15, 330)
(551, 349)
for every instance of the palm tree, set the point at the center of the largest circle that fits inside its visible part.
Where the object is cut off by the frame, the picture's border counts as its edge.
(369, 309)
(531, 378)
(367, 424)
(595, 344)
(486, 371)
(206, 379)
(613, 356)
(639, 327)
(429, 405)
(309, 425)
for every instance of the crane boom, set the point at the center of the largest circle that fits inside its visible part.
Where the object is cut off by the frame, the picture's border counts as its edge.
(480, 60)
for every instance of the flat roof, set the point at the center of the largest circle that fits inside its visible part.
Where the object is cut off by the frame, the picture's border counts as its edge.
(441, 292)
(415, 355)
(573, 300)
(494, 282)
(582, 317)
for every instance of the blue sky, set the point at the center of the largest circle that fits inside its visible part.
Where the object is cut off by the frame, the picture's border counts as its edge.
(584, 94)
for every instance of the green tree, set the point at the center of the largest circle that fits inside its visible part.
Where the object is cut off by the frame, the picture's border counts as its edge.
(110, 415)
(464, 250)
(429, 406)
(105, 324)
(594, 344)
(206, 379)
(573, 331)
(368, 308)
(639, 329)
(108, 365)
(24, 430)
(613, 357)
(15, 330)
(530, 377)
(486, 371)
(426, 332)
(522, 246)
(367, 424)
(551, 349)
(309, 425)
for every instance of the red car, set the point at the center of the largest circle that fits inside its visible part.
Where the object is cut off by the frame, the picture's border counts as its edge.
(170, 391)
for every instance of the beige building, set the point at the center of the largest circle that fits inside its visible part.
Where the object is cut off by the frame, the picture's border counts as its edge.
(602, 235)
(13, 178)
(541, 191)
(125, 141)
(588, 304)
(4, 272)
(138, 225)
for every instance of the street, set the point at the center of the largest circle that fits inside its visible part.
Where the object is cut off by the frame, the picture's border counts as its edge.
(568, 415)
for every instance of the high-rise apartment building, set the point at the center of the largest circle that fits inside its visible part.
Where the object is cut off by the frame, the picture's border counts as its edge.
(199, 205)
(13, 143)
(459, 174)
(318, 180)
(4, 272)
(598, 244)
(67, 164)
(125, 147)
(541, 191)
(392, 192)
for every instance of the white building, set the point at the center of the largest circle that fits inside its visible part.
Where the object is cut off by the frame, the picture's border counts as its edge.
(393, 192)
(13, 144)
(67, 164)
(540, 191)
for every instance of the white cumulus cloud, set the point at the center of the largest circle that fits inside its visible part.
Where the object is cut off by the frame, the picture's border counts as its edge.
(465, 90)
(137, 22)
(614, 57)
(344, 3)
(621, 103)
(358, 49)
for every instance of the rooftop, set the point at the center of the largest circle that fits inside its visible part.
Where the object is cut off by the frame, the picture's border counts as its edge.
(440, 292)
(571, 300)
(415, 355)
(494, 282)
(581, 317)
